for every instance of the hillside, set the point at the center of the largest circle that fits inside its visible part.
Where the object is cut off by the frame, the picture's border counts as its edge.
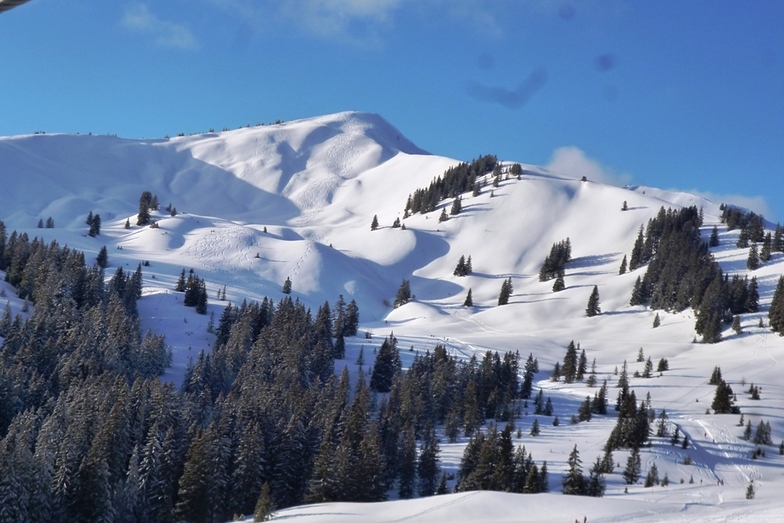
(258, 205)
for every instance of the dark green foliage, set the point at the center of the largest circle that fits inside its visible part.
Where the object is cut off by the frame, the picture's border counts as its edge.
(569, 369)
(633, 467)
(145, 205)
(403, 294)
(750, 490)
(506, 291)
(196, 294)
(753, 261)
(428, 467)
(715, 376)
(464, 267)
(595, 486)
(535, 430)
(653, 476)
(714, 237)
(455, 181)
(95, 226)
(656, 321)
(723, 402)
(593, 308)
(763, 435)
(102, 260)
(750, 224)
(264, 506)
(736, 326)
(374, 223)
(663, 365)
(443, 216)
(469, 300)
(287, 285)
(555, 262)
(573, 482)
(559, 284)
(776, 313)
(387, 364)
(457, 206)
(622, 270)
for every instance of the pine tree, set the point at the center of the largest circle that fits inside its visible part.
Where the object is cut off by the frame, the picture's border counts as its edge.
(593, 303)
(723, 399)
(428, 467)
(506, 291)
(50, 223)
(558, 284)
(750, 490)
(264, 505)
(403, 294)
(753, 261)
(460, 269)
(127, 223)
(535, 430)
(776, 313)
(287, 285)
(443, 217)
(469, 300)
(633, 467)
(656, 321)
(180, 286)
(387, 364)
(95, 226)
(595, 486)
(653, 476)
(145, 202)
(714, 237)
(102, 260)
(573, 482)
(457, 206)
(736, 326)
(622, 270)
(374, 223)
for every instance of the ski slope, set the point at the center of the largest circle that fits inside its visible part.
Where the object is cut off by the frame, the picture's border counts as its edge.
(257, 205)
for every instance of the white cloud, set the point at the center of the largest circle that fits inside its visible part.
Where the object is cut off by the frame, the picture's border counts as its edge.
(139, 18)
(571, 161)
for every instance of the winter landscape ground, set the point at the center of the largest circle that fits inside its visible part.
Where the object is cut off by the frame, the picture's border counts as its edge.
(258, 205)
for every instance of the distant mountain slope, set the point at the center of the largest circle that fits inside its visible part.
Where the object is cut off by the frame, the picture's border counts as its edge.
(296, 200)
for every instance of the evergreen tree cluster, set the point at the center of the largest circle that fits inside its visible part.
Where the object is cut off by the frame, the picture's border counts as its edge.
(723, 399)
(49, 223)
(147, 202)
(464, 267)
(632, 429)
(751, 225)
(454, 182)
(555, 262)
(682, 273)
(506, 291)
(491, 462)
(94, 221)
(195, 290)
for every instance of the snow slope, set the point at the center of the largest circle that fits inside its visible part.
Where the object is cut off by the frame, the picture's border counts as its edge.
(258, 205)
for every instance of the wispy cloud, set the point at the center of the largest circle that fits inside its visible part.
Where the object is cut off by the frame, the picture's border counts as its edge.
(140, 19)
(572, 161)
(359, 22)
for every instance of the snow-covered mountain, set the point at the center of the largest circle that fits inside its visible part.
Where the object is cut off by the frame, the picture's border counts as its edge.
(257, 205)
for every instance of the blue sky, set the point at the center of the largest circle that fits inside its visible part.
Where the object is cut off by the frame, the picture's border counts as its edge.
(672, 94)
